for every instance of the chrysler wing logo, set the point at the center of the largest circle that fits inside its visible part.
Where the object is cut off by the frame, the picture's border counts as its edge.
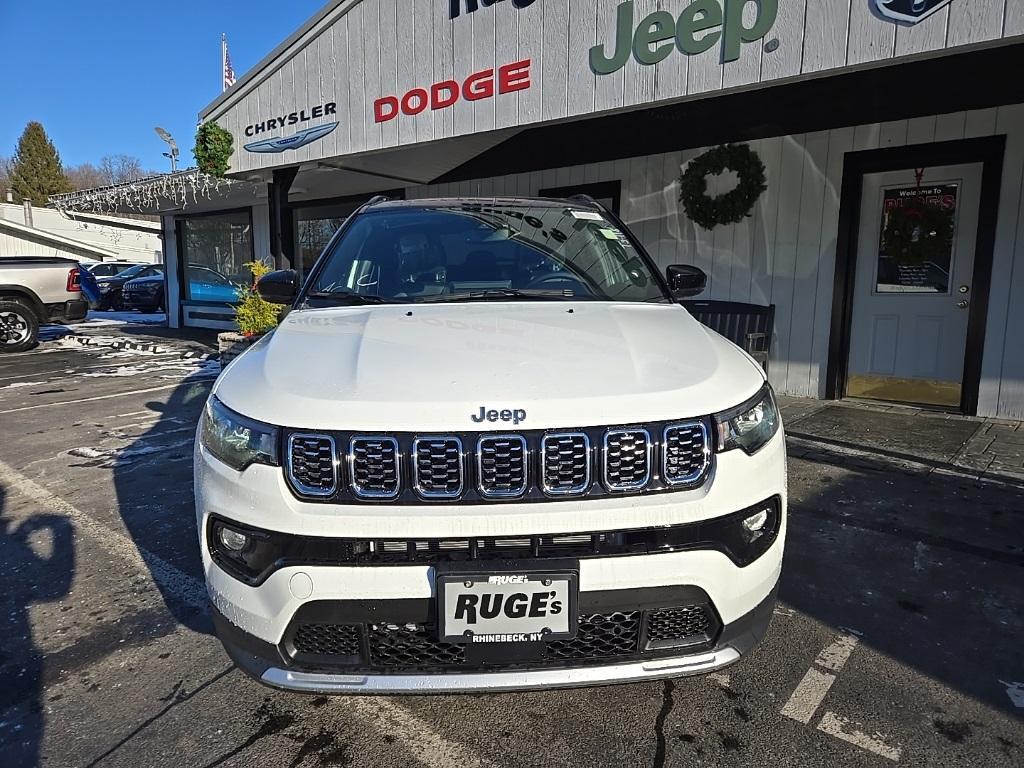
(909, 11)
(296, 140)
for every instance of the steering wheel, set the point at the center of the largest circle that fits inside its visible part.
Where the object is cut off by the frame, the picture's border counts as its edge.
(544, 280)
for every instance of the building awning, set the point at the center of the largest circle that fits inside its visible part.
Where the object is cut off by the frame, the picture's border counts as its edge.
(188, 190)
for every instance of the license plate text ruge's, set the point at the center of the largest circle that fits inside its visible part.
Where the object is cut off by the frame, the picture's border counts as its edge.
(470, 608)
(507, 608)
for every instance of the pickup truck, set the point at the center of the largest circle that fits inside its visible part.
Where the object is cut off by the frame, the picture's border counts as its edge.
(35, 290)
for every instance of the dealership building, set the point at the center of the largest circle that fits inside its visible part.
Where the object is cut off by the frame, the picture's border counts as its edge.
(855, 108)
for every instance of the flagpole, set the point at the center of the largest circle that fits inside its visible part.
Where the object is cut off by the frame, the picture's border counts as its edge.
(223, 61)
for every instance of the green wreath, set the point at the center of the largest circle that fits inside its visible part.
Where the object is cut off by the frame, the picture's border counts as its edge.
(734, 205)
(918, 233)
(213, 149)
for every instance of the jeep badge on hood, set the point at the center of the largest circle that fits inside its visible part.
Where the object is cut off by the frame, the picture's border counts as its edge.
(515, 416)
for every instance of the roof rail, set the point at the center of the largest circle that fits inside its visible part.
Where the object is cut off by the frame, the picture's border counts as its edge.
(377, 199)
(584, 198)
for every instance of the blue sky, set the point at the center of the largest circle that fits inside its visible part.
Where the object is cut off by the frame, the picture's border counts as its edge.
(99, 75)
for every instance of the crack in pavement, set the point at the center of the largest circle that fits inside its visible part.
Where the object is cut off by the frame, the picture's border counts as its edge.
(173, 699)
(667, 703)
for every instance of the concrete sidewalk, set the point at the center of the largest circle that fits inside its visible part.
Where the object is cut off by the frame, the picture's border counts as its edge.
(989, 449)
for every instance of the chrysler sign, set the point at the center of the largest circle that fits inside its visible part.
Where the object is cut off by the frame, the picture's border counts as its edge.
(910, 11)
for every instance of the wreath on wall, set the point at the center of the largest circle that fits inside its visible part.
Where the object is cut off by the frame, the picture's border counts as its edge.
(213, 149)
(917, 233)
(734, 205)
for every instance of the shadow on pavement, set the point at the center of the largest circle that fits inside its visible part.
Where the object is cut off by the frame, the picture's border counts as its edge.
(153, 483)
(926, 566)
(37, 563)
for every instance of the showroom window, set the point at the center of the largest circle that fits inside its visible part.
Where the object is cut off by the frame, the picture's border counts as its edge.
(213, 251)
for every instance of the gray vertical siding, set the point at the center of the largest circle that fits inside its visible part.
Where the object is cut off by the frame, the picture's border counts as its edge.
(360, 51)
(784, 253)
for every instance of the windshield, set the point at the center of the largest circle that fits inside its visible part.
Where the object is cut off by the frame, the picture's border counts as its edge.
(131, 271)
(473, 251)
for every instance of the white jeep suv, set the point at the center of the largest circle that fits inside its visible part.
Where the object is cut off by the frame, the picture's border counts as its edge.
(487, 450)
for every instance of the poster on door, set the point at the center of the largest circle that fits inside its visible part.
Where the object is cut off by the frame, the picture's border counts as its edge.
(916, 246)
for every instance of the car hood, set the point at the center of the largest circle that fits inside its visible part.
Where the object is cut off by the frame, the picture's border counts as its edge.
(430, 367)
(146, 280)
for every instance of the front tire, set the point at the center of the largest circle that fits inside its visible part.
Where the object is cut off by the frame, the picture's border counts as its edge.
(19, 326)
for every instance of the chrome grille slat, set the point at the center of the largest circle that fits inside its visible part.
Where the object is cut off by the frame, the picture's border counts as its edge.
(312, 464)
(565, 463)
(374, 467)
(627, 459)
(502, 466)
(438, 471)
(685, 452)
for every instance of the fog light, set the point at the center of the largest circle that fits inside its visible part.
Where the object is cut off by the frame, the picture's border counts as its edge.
(756, 522)
(233, 540)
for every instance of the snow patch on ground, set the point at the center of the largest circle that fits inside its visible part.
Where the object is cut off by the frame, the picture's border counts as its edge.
(88, 453)
(123, 318)
(17, 384)
(177, 369)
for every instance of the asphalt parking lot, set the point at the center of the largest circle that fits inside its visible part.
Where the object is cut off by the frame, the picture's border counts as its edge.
(898, 639)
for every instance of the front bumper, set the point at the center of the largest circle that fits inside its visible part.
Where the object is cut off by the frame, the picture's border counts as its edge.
(265, 662)
(132, 300)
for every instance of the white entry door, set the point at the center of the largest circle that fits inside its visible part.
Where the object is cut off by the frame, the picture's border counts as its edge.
(912, 288)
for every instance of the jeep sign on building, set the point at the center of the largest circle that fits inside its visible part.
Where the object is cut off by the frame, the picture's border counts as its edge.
(889, 240)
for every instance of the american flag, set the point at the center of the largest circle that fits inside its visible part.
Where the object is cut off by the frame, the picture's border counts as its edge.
(229, 72)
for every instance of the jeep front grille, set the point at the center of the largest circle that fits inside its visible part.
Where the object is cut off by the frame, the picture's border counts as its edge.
(476, 468)
(627, 459)
(502, 465)
(374, 467)
(685, 452)
(566, 463)
(438, 467)
(312, 464)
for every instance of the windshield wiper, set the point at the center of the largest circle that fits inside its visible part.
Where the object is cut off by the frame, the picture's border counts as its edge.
(504, 294)
(354, 298)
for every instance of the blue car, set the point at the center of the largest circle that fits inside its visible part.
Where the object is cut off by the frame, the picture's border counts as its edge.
(204, 284)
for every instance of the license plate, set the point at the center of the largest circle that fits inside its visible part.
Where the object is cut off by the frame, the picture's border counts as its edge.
(506, 607)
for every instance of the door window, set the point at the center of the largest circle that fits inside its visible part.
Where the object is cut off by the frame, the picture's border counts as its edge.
(915, 252)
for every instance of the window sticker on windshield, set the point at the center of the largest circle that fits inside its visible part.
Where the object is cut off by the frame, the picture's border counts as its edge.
(610, 234)
(589, 215)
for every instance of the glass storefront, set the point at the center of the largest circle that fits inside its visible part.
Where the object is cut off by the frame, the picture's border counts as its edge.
(214, 249)
(315, 225)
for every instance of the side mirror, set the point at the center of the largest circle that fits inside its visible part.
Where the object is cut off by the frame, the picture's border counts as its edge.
(280, 287)
(685, 281)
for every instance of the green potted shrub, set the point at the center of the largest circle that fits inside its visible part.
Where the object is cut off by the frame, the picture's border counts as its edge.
(254, 316)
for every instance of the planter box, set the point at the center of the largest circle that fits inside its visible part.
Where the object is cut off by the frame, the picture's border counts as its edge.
(230, 345)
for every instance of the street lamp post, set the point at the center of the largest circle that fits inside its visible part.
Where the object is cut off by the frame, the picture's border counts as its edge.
(173, 154)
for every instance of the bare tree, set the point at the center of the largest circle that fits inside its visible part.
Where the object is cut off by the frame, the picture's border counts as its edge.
(117, 169)
(85, 176)
(5, 177)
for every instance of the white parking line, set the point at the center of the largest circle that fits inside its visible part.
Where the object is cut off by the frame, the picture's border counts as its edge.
(115, 542)
(426, 744)
(812, 689)
(838, 726)
(106, 397)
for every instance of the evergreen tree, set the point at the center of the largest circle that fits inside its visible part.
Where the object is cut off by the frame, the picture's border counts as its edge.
(36, 172)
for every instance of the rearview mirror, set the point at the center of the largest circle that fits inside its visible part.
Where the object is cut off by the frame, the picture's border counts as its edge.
(279, 287)
(685, 281)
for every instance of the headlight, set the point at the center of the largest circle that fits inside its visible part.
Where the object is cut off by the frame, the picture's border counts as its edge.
(236, 440)
(750, 425)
